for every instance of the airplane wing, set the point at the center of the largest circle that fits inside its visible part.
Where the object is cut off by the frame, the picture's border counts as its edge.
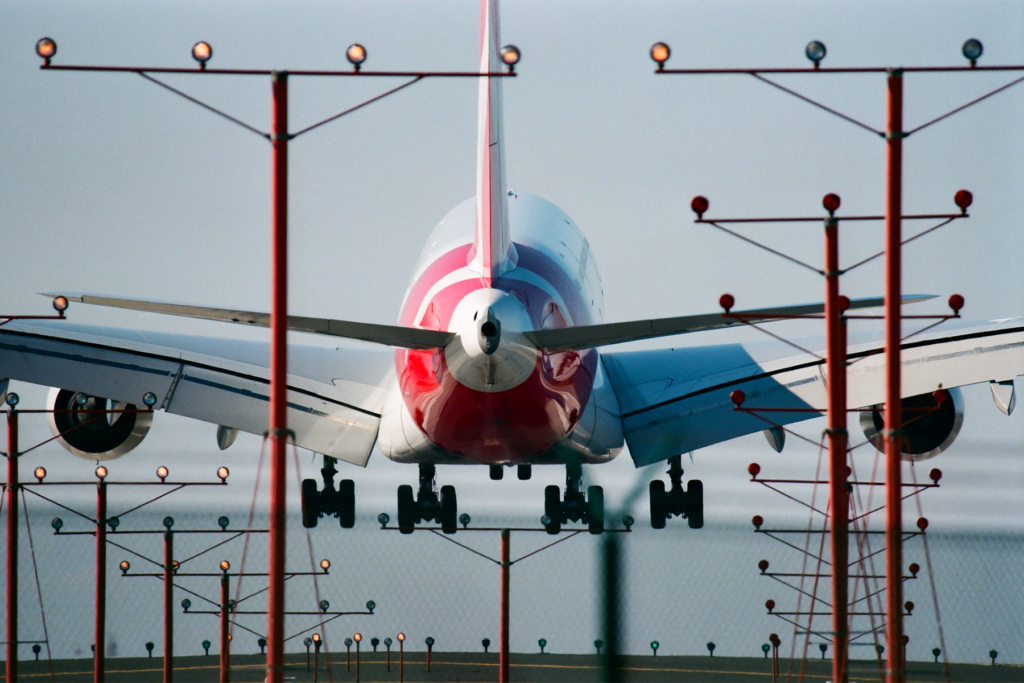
(677, 400)
(334, 394)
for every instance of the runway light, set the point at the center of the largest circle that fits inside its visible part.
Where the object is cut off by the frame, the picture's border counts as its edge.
(40, 473)
(356, 55)
(161, 472)
(909, 606)
(972, 49)
(815, 52)
(57, 523)
(831, 203)
(922, 523)
(223, 522)
(324, 606)
(80, 399)
(12, 399)
(963, 199)
(201, 52)
(325, 565)
(358, 637)
(769, 605)
(185, 604)
(510, 57)
(737, 397)
(757, 521)
(60, 304)
(383, 518)
(464, 520)
(370, 605)
(699, 204)
(401, 637)
(763, 566)
(222, 473)
(660, 53)
(149, 399)
(727, 301)
(628, 521)
(545, 521)
(114, 522)
(844, 303)
(754, 469)
(168, 522)
(935, 474)
(47, 48)
(125, 566)
(316, 638)
(225, 565)
(429, 641)
(956, 302)
(914, 568)
(387, 642)
(101, 472)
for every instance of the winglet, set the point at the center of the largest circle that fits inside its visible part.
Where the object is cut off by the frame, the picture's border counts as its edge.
(493, 252)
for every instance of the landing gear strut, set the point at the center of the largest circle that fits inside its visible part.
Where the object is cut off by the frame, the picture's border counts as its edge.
(340, 502)
(575, 507)
(428, 506)
(675, 501)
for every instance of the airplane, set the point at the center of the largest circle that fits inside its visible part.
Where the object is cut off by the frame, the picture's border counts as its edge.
(499, 358)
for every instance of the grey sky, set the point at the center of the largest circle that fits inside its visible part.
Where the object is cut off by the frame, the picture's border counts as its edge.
(110, 184)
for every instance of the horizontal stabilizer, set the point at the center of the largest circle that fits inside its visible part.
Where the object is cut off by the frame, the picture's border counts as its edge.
(389, 335)
(588, 336)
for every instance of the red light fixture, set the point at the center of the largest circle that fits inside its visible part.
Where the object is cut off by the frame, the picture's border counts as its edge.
(738, 397)
(758, 520)
(726, 301)
(699, 205)
(963, 199)
(754, 469)
(831, 203)
(956, 302)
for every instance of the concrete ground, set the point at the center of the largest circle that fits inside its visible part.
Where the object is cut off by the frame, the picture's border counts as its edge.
(479, 667)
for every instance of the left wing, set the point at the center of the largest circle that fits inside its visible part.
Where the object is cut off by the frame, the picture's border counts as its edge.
(677, 400)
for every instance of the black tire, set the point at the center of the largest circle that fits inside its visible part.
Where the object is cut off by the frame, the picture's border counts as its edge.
(657, 504)
(406, 509)
(695, 504)
(310, 503)
(449, 510)
(347, 503)
(595, 509)
(553, 508)
(524, 472)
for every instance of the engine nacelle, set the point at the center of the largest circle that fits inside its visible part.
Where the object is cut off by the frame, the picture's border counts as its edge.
(95, 435)
(929, 426)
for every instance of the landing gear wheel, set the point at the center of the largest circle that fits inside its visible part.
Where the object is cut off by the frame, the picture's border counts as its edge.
(406, 509)
(310, 503)
(658, 504)
(449, 510)
(595, 509)
(553, 508)
(347, 503)
(695, 504)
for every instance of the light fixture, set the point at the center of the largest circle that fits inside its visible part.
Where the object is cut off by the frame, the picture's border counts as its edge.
(401, 637)
(114, 522)
(201, 52)
(660, 53)
(168, 521)
(831, 203)
(161, 472)
(175, 566)
(464, 520)
(429, 641)
(699, 204)
(545, 520)
(125, 566)
(383, 518)
(60, 304)
(356, 55)
(223, 522)
(149, 399)
(815, 52)
(963, 199)
(40, 473)
(358, 637)
(510, 57)
(186, 603)
(316, 638)
(348, 642)
(12, 399)
(325, 565)
(324, 606)
(225, 565)
(101, 472)
(223, 473)
(370, 605)
(80, 399)
(57, 523)
(628, 521)
(972, 49)
(46, 48)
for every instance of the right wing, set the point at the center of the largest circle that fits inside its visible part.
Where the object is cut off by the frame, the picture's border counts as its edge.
(334, 395)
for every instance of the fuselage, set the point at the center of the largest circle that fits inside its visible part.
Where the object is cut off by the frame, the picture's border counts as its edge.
(491, 396)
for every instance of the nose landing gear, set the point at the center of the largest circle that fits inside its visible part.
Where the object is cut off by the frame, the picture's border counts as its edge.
(676, 501)
(428, 506)
(575, 507)
(340, 502)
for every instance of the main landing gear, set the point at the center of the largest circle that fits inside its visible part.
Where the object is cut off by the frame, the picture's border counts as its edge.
(341, 502)
(575, 507)
(675, 501)
(428, 506)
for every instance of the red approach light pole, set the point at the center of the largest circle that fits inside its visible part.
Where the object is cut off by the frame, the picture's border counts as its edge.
(168, 605)
(895, 670)
(101, 581)
(12, 545)
(505, 564)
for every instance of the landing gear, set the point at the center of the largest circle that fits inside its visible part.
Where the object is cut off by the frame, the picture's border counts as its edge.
(688, 503)
(340, 502)
(497, 472)
(575, 507)
(428, 506)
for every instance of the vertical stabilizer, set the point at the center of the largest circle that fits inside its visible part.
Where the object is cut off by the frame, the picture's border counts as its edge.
(493, 253)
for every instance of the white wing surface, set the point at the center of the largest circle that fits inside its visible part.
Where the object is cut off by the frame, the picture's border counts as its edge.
(334, 395)
(677, 400)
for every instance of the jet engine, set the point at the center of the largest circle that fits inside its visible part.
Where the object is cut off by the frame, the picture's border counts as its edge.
(80, 425)
(931, 423)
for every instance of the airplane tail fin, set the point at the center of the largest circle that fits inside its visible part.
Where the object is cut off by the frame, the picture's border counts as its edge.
(493, 252)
